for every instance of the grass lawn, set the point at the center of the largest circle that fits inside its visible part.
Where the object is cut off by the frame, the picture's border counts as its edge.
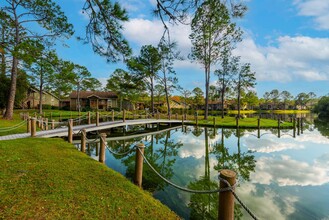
(243, 123)
(50, 179)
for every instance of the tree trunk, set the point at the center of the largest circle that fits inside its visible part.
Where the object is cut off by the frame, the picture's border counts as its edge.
(222, 96)
(40, 90)
(166, 92)
(239, 97)
(12, 92)
(207, 70)
(152, 96)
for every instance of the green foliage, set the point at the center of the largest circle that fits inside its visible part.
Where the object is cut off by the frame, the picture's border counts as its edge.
(104, 29)
(198, 96)
(212, 31)
(322, 107)
(21, 17)
(146, 67)
(126, 85)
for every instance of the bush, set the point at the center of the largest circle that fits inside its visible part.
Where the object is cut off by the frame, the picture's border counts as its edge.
(322, 108)
(45, 106)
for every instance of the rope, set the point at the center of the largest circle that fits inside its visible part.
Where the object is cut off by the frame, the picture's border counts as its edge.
(13, 127)
(243, 205)
(119, 154)
(230, 188)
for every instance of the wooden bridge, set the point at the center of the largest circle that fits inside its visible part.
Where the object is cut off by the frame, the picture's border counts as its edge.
(63, 131)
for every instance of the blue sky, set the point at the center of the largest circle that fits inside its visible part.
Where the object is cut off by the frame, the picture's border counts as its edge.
(286, 42)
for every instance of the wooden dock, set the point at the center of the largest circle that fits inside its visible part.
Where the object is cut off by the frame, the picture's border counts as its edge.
(63, 132)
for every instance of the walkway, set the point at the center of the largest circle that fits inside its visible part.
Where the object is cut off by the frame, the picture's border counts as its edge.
(63, 132)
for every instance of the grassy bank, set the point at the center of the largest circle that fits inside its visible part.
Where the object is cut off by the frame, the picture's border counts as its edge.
(50, 179)
(230, 122)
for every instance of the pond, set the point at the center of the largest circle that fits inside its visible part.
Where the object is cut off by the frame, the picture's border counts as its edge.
(278, 177)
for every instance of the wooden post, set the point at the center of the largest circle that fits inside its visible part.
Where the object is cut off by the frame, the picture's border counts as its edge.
(102, 150)
(97, 118)
(294, 127)
(124, 115)
(298, 126)
(258, 123)
(28, 125)
(112, 115)
(33, 127)
(52, 124)
(182, 119)
(226, 199)
(279, 123)
(301, 126)
(38, 122)
(139, 164)
(46, 124)
(83, 140)
(41, 123)
(70, 131)
(88, 115)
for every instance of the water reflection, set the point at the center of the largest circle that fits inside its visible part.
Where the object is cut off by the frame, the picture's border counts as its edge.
(279, 177)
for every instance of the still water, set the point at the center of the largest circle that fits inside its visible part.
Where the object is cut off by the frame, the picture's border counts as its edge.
(278, 177)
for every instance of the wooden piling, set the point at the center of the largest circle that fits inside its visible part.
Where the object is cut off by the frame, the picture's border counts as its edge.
(52, 124)
(88, 116)
(102, 148)
(46, 124)
(139, 164)
(33, 127)
(226, 199)
(112, 115)
(258, 123)
(28, 125)
(83, 140)
(301, 125)
(42, 123)
(97, 118)
(70, 131)
(294, 127)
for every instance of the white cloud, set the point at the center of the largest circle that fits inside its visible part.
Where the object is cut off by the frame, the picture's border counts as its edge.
(271, 145)
(266, 204)
(318, 9)
(289, 172)
(294, 58)
(145, 31)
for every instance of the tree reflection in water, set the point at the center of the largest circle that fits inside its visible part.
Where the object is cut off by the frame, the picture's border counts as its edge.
(161, 159)
(205, 206)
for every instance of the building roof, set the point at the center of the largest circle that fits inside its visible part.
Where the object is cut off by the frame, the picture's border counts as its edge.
(36, 90)
(88, 94)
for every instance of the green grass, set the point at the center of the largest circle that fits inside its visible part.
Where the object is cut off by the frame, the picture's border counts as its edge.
(50, 179)
(243, 123)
